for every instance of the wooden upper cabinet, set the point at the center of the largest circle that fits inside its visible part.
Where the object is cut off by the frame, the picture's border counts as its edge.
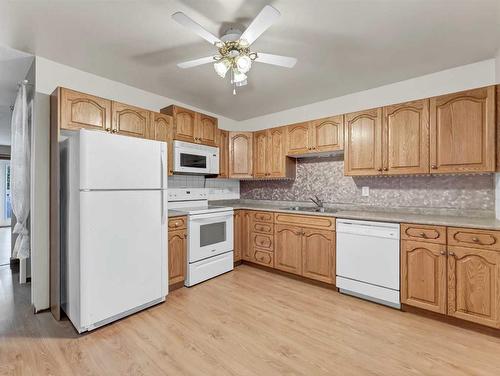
(184, 122)
(205, 130)
(288, 248)
(327, 134)
(223, 144)
(423, 275)
(363, 143)
(80, 110)
(130, 121)
(298, 138)
(161, 127)
(318, 255)
(473, 285)
(240, 155)
(260, 154)
(463, 131)
(279, 165)
(406, 138)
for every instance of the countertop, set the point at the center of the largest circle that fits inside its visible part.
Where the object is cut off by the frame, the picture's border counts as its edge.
(176, 213)
(389, 215)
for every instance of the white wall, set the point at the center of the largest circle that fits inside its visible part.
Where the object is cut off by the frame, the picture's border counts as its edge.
(51, 75)
(3, 186)
(447, 81)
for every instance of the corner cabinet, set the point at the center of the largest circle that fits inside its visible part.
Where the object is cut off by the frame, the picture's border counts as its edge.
(192, 126)
(363, 143)
(240, 155)
(463, 132)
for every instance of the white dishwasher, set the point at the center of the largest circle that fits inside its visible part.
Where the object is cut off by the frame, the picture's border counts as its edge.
(368, 260)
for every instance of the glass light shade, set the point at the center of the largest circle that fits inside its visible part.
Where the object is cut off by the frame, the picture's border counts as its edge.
(238, 76)
(243, 62)
(241, 83)
(221, 67)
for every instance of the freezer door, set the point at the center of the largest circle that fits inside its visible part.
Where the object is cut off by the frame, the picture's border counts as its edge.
(110, 161)
(123, 252)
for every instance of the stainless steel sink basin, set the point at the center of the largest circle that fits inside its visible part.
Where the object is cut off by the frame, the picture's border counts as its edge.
(311, 209)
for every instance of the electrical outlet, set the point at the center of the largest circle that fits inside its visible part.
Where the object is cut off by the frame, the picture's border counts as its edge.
(365, 191)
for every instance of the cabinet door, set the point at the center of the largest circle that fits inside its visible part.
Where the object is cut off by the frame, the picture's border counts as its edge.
(238, 234)
(130, 121)
(176, 256)
(463, 132)
(473, 285)
(327, 134)
(240, 155)
(206, 130)
(260, 156)
(223, 143)
(80, 110)
(298, 138)
(423, 275)
(161, 127)
(318, 255)
(405, 138)
(363, 143)
(278, 164)
(288, 249)
(184, 124)
(245, 238)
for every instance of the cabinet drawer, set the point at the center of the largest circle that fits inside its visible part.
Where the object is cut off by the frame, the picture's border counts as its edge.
(315, 221)
(177, 223)
(430, 234)
(261, 216)
(474, 238)
(262, 227)
(263, 257)
(262, 241)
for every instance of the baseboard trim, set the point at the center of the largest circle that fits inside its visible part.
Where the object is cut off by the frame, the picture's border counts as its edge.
(451, 320)
(291, 275)
(175, 286)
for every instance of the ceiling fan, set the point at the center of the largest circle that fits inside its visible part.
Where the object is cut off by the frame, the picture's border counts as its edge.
(234, 54)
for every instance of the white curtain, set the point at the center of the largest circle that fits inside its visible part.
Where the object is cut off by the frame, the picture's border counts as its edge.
(20, 173)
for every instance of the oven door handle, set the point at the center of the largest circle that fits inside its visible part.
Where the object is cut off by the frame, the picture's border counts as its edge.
(210, 217)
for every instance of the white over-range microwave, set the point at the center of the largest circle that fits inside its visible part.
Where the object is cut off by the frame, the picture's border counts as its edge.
(195, 159)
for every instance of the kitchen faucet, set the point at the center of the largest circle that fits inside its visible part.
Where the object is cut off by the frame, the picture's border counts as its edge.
(317, 201)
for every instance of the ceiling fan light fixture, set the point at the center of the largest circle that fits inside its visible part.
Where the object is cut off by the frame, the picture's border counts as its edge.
(221, 67)
(238, 77)
(243, 63)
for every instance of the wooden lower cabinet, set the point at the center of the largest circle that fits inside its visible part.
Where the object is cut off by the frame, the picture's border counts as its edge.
(263, 257)
(239, 233)
(244, 228)
(288, 248)
(318, 255)
(177, 256)
(474, 285)
(423, 275)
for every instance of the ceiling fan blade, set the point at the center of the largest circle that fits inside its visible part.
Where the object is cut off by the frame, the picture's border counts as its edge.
(195, 27)
(267, 16)
(282, 61)
(196, 62)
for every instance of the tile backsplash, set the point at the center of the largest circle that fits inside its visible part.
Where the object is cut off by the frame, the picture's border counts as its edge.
(218, 189)
(325, 177)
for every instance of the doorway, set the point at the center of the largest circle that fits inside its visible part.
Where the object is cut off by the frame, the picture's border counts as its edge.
(5, 212)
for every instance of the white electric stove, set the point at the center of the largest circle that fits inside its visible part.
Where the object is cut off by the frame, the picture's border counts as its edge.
(210, 234)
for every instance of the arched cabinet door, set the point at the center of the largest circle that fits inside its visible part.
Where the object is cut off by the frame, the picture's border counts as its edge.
(79, 110)
(176, 256)
(288, 249)
(462, 131)
(423, 275)
(327, 134)
(405, 138)
(298, 138)
(240, 155)
(131, 121)
(206, 130)
(260, 154)
(473, 285)
(318, 255)
(363, 143)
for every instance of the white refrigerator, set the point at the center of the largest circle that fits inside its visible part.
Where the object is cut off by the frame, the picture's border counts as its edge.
(113, 226)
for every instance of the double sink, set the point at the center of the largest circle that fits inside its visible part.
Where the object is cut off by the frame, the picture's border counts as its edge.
(312, 209)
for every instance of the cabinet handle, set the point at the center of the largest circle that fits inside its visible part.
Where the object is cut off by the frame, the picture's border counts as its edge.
(442, 253)
(379, 169)
(475, 240)
(386, 169)
(451, 253)
(422, 234)
(434, 167)
(108, 130)
(114, 131)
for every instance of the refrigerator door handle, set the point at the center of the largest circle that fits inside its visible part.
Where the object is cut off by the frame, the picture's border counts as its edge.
(163, 166)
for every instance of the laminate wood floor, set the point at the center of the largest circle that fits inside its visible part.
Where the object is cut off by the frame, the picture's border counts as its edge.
(248, 322)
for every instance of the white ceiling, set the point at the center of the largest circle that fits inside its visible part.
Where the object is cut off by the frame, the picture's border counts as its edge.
(13, 68)
(342, 46)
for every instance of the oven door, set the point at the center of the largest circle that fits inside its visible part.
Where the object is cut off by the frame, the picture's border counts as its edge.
(191, 161)
(209, 235)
